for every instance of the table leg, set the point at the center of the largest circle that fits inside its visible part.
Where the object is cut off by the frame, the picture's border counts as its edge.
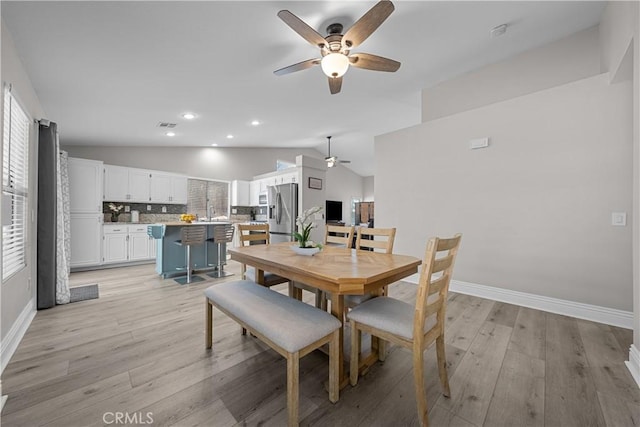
(337, 309)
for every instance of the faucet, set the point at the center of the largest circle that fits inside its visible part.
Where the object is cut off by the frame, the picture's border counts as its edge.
(210, 211)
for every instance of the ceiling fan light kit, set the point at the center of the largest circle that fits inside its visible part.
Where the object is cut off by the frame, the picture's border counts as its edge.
(335, 47)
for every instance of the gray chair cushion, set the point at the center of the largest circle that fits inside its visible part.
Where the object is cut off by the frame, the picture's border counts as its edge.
(390, 315)
(287, 322)
(353, 300)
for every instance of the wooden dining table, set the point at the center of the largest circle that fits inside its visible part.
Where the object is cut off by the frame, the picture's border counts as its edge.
(337, 270)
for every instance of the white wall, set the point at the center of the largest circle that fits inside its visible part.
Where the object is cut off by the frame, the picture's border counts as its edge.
(17, 293)
(368, 189)
(557, 63)
(535, 207)
(344, 185)
(619, 38)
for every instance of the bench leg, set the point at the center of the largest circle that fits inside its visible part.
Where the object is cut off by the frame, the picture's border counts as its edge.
(293, 370)
(208, 321)
(334, 370)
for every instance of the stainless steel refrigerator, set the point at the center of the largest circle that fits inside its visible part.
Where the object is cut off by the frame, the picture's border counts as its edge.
(283, 211)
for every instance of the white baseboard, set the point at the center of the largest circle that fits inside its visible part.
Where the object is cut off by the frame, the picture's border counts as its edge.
(634, 363)
(15, 334)
(595, 313)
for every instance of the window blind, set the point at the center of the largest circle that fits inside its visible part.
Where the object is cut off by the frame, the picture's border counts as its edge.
(15, 184)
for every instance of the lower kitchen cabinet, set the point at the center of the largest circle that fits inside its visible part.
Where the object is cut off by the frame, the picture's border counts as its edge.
(115, 244)
(126, 243)
(86, 230)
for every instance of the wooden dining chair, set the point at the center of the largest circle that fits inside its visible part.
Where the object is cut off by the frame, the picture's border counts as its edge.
(249, 234)
(414, 327)
(372, 239)
(334, 235)
(258, 234)
(339, 235)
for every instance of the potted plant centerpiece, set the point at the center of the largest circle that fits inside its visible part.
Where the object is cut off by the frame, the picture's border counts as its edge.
(306, 223)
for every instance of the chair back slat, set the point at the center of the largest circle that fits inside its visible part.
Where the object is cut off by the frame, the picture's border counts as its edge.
(432, 291)
(193, 234)
(344, 237)
(441, 264)
(366, 239)
(253, 232)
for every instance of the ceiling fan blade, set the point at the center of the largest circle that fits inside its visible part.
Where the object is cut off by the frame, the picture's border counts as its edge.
(373, 62)
(301, 27)
(335, 84)
(345, 161)
(366, 25)
(297, 67)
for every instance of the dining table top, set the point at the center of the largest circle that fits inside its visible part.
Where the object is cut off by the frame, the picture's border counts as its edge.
(334, 269)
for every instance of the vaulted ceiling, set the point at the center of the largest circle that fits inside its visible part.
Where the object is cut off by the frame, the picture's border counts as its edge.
(109, 72)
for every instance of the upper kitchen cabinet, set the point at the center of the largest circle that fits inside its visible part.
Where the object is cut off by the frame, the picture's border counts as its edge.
(240, 193)
(168, 188)
(85, 185)
(123, 184)
(254, 193)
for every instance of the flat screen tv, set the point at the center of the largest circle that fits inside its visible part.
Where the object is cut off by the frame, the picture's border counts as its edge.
(333, 211)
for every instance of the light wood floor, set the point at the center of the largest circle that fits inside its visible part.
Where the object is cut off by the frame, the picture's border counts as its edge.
(139, 349)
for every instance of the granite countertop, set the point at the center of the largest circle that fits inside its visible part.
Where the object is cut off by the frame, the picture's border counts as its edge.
(181, 223)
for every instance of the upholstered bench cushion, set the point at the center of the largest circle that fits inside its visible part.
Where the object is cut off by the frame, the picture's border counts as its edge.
(389, 314)
(289, 323)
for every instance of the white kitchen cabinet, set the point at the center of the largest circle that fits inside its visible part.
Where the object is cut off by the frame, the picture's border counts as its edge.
(254, 193)
(86, 230)
(138, 243)
(115, 244)
(126, 184)
(239, 193)
(85, 185)
(168, 188)
(126, 243)
(139, 185)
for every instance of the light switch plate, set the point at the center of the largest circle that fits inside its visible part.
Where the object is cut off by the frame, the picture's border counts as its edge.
(479, 143)
(148, 207)
(127, 208)
(164, 209)
(619, 219)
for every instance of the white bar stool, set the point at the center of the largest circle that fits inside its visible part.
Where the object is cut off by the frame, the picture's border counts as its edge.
(191, 235)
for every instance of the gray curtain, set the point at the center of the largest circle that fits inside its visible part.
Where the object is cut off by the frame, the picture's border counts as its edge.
(47, 214)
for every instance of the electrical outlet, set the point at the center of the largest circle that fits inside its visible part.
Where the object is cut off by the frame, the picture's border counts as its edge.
(164, 209)
(127, 208)
(619, 218)
(148, 207)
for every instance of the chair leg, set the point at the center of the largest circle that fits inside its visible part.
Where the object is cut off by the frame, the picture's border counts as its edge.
(334, 370)
(323, 301)
(442, 366)
(418, 380)
(318, 298)
(355, 353)
(208, 321)
(293, 370)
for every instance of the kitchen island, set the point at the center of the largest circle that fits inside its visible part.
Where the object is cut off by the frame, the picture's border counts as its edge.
(171, 257)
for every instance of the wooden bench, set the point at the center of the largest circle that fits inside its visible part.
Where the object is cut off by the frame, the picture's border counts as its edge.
(290, 327)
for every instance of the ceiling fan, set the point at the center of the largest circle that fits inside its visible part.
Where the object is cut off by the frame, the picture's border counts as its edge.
(335, 47)
(332, 160)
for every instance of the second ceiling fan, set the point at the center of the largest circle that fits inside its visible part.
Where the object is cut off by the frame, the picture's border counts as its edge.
(335, 47)
(332, 160)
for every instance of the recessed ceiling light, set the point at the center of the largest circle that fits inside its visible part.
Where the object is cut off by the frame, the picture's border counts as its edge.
(229, 136)
(214, 145)
(170, 134)
(189, 116)
(255, 123)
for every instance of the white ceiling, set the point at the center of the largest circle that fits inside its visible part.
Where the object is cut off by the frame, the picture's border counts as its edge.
(108, 72)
